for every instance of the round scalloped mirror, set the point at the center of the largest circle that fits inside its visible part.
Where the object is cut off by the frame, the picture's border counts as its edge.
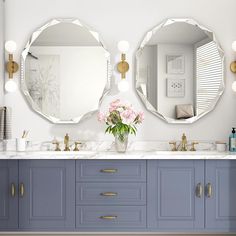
(65, 71)
(180, 71)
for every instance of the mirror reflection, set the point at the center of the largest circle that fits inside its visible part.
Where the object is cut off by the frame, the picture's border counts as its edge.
(65, 71)
(179, 74)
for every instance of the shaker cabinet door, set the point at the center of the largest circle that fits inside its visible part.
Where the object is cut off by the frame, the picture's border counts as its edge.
(221, 195)
(47, 194)
(175, 195)
(8, 195)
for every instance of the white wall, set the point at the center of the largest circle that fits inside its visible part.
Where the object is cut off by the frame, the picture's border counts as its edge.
(166, 105)
(128, 20)
(1, 51)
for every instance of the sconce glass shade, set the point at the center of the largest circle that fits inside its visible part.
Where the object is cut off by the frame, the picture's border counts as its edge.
(123, 85)
(234, 86)
(10, 86)
(234, 46)
(10, 46)
(123, 46)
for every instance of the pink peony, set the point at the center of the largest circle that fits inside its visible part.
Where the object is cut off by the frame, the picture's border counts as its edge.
(102, 116)
(128, 116)
(114, 105)
(140, 117)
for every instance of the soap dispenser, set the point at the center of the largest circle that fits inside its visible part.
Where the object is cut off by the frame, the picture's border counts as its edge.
(232, 141)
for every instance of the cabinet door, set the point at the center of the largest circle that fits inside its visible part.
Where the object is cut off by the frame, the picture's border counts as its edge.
(47, 194)
(8, 194)
(175, 194)
(221, 202)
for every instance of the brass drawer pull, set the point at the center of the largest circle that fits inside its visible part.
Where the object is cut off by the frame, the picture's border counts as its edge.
(108, 217)
(209, 191)
(199, 190)
(22, 190)
(109, 194)
(108, 170)
(13, 190)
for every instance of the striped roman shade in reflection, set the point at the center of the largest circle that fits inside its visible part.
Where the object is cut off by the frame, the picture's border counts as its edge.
(209, 74)
(5, 122)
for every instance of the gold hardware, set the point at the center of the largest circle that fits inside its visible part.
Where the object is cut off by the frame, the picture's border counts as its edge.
(233, 67)
(11, 66)
(109, 194)
(108, 217)
(22, 190)
(123, 66)
(209, 191)
(13, 190)
(108, 170)
(66, 142)
(57, 146)
(76, 146)
(199, 190)
(183, 143)
(193, 146)
(174, 148)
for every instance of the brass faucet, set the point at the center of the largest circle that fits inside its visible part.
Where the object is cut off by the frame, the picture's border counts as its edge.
(66, 142)
(184, 142)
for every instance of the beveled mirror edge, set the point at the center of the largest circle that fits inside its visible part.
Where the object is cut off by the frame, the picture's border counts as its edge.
(145, 40)
(23, 85)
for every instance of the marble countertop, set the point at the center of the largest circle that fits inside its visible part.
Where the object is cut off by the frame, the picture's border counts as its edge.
(111, 155)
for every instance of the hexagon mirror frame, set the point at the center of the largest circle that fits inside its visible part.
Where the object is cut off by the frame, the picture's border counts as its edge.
(142, 96)
(24, 88)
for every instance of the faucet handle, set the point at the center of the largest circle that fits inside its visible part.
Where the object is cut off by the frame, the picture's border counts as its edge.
(76, 146)
(57, 145)
(193, 149)
(174, 148)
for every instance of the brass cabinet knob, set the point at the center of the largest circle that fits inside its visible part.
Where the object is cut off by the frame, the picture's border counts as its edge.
(108, 170)
(22, 190)
(209, 190)
(109, 194)
(108, 217)
(199, 190)
(13, 190)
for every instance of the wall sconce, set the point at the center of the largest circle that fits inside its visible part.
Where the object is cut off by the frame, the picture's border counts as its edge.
(11, 66)
(123, 65)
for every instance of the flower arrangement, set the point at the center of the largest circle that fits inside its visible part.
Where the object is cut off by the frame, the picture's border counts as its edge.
(121, 119)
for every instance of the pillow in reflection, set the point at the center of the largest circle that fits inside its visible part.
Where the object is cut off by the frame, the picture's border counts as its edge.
(184, 111)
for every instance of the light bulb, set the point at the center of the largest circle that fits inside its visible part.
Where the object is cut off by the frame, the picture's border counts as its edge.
(234, 86)
(123, 46)
(10, 86)
(123, 85)
(10, 46)
(234, 46)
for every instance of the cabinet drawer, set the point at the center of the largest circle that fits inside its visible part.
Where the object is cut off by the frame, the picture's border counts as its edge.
(110, 216)
(111, 193)
(111, 171)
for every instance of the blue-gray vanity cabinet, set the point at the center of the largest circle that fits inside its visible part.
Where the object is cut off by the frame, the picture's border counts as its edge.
(8, 195)
(47, 195)
(220, 195)
(175, 198)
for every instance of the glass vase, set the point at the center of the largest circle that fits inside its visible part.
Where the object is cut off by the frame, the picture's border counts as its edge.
(121, 142)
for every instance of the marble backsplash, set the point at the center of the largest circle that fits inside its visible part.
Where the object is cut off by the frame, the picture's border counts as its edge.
(10, 145)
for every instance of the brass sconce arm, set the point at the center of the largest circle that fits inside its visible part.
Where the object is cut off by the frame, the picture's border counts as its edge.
(11, 66)
(123, 66)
